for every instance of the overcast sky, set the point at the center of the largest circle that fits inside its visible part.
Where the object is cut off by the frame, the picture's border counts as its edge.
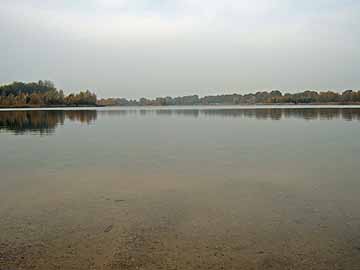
(133, 48)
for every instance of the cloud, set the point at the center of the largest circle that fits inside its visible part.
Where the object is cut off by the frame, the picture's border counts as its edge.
(164, 18)
(159, 47)
(123, 18)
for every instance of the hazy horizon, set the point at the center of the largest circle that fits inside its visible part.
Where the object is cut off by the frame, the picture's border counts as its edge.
(173, 48)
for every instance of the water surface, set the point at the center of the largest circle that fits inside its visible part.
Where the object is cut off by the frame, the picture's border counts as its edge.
(180, 188)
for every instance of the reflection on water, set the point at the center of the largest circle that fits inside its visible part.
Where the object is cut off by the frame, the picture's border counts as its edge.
(258, 113)
(41, 122)
(45, 122)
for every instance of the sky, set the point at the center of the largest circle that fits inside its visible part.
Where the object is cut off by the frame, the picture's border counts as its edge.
(135, 48)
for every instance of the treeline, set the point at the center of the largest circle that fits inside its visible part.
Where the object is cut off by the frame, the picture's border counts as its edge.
(42, 93)
(273, 97)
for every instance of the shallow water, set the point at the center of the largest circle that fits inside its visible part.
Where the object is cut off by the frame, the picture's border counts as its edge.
(180, 188)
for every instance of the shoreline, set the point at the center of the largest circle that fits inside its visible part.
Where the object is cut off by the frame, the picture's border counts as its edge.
(50, 107)
(193, 105)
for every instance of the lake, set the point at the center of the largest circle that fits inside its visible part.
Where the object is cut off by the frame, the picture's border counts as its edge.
(180, 188)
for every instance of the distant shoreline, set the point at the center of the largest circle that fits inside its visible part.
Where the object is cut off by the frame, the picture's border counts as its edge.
(244, 104)
(259, 98)
(44, 94)
(184, 105)
(48, 106)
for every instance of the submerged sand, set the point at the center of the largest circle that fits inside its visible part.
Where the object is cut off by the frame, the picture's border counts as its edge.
(139, 221)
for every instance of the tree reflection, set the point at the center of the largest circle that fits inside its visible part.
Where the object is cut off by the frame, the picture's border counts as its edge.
(257, 113)
(42, 122)
(45, 122)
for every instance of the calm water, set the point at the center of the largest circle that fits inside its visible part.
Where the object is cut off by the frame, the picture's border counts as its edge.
(180, 188)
